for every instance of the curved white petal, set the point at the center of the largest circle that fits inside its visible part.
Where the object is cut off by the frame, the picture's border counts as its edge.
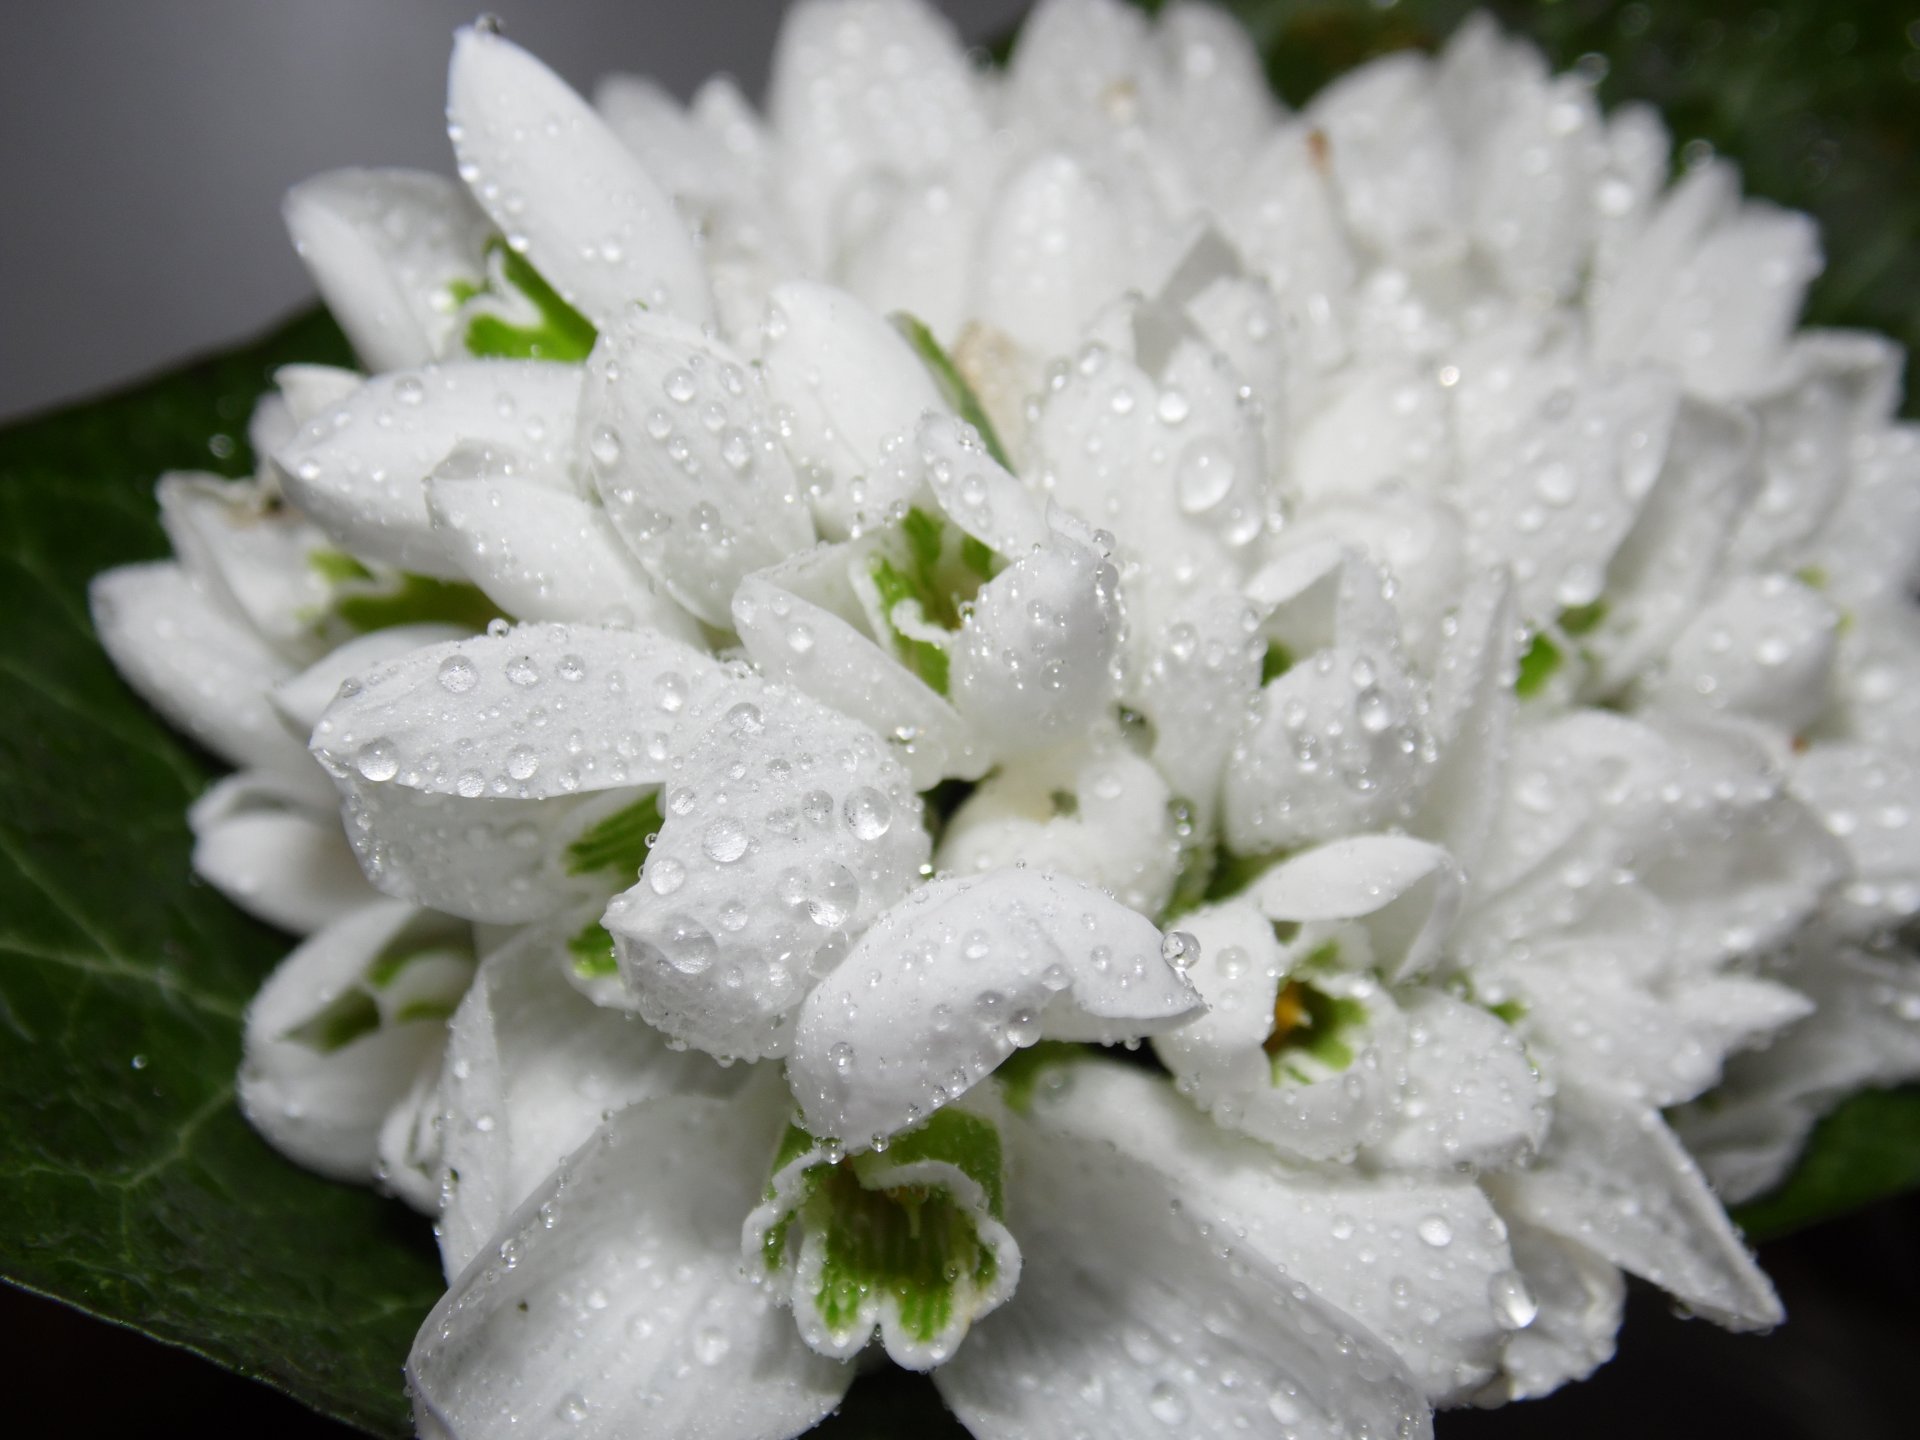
(801, 622)
(1614, 1178)
(848, 382)
(344, 1028)
(1405, 890)
(685, 457)
(385, 248)
(1131, 1317)
(1472, 1097)
(955, 978)
(302, 699)
(1471, 719)
(1391, 160)
(1116, 834)
(612, 1301)
(276, 854)
(1201, 675)
(359, 469)
(1052, 251)
(1579, 1301)
(1764, 646)
(1869, 797)
(466, 767)
(788, 829)
(975, 491)
(542, 553)
(865, 86)
(563, 189)
(532, 1068)
(252, 555)
(198, 666)
(1034, 660)
(1422, 1264)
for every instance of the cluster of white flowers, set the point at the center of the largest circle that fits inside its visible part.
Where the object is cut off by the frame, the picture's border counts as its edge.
(815, 622)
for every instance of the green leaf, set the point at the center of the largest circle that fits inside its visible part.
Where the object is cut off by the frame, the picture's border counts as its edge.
(129, 1184)
(1867, 1150)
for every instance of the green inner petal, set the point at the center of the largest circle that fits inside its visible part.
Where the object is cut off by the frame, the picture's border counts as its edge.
(594, 957)
(365, 600)
(951, 384)
(619, 841)
(934, 570)
(513, 287)
(1310, 1024)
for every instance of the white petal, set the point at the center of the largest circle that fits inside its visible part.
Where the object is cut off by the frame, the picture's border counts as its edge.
(1417, 539)
(330, 1049)
(1335, 743)
(864, 86)
(1614, 1178)
(1423, 1265)
(1581, 1299)
(205, 671)
(801, 622)
(687, 158)
(975, 491)
(1391, 160)
(1052, 252)
(1626, 305)
(849, 382)
(1869, 797)
(1129, 1317)
(465, 766)
(1472, 717)
(1010, 958)
(254, 557)
(1764, 646)
(788, 829)
(1869, 549)
(541, 553)
(303, 698)
(1472, 1097)
(1407, 891)
(270, 850)
(311, 390)
(1202, 671)
(1118, 835)
(359, 469)
(563, 189)
(1033, 663)
(532, 1068)
(384, 248)
(613, 1303)
(687, 461)
(1382, 422)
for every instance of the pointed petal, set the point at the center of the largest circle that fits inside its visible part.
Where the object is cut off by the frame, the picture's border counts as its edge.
(541, 553)
(1868, 796)
(1392, 160)
(563, 189)
(384, 248)
(340, 1033)
(502, 741)
(532, 1068)
(1581, 1300)
(205, 671)
(613, 1303)
(1130, 1317)
(788, 829)
(1471, 720)
(1362, 1243)
(1473, 1099)
(359, 469)
(687, 461)
(1010, 958)
(1407, 891)
(1764, 647)
(302, 699)
(269, 849)
(1614, 1178)
(1052, 252)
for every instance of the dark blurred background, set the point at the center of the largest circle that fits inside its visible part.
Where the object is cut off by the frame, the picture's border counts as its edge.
(145, 151)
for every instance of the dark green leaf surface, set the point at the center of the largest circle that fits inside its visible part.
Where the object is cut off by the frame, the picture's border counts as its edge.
(1866, 1150)
(129, 1185)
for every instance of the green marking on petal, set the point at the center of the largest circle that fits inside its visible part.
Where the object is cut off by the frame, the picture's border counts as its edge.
(1510, 1011)
(1233, 874)
(1309, 1024)
(979, 557)
(366, 600)
(1578, 620)
(619, 841)
(423, 1010)
(353, 1014)
(1020, 1073)
(915, 1250)
(951, 384)
(925, 658)
(1275, 663)
(517, 315)
(1537, 665)
(1811, 576)
(1199, 857)
(593, 953)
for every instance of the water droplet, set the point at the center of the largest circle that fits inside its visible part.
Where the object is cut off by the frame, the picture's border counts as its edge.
(458, 675)
(1204, 477)
(377, 760)
(868, 813)
(1179, 949)
(1434, 1231)
(710, 1344)
(523, 672)
(1512, 1301)
(1167, 1403)
(725, 840)
(688, 947)
(522, 762)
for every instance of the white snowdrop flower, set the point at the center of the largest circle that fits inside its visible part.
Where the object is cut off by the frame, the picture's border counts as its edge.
(813, 620)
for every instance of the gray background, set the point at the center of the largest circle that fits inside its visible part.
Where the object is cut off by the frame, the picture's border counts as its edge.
(145, 145)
